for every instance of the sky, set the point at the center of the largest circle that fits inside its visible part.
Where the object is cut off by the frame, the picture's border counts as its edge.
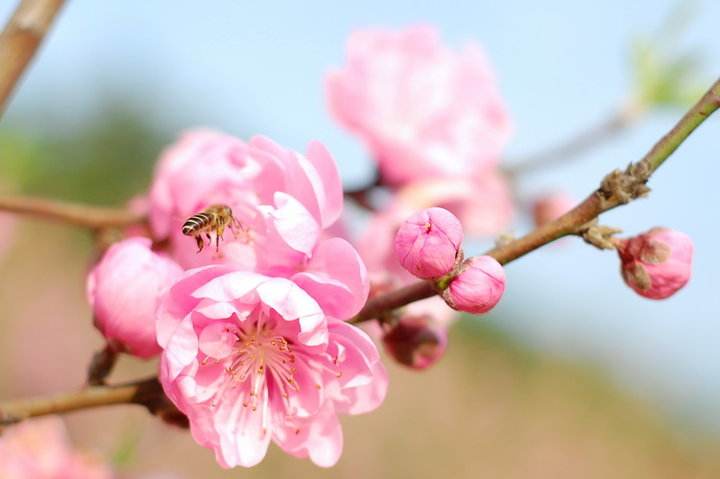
(258, 67)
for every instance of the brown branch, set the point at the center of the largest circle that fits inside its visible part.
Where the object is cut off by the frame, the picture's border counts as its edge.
(607, 129)
(71, 213)
(20, 39)
(101, 365)
(145, 392)
(617, 188)
(361, 195)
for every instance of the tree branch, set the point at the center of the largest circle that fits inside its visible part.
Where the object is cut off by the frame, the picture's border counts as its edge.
(607, 129)
(20, 40)
(71, 213)
(145, 392)
(618, 187)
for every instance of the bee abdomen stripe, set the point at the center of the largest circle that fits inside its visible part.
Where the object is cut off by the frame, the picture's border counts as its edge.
(194, 222)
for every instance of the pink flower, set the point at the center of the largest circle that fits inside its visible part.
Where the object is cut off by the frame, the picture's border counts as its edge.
(550, 207)
(124, 290)
(39, 449)
(478, 287)
(657, 263)
(428, 243)
(283, 200)
(422, 109)
(416, 341)
(252, 359)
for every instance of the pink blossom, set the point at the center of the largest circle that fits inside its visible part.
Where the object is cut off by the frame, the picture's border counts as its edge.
(428, 243)
(416, 341)
(657, 263)
(282, 199)
(422, 109)
(39, 449)
(252, 359)
(124, 289)
(550, 207)
(478, 287)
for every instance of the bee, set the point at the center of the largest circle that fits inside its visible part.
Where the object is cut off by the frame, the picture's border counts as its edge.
(214, 218)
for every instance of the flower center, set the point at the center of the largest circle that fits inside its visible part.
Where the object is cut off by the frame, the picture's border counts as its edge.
(259, 355)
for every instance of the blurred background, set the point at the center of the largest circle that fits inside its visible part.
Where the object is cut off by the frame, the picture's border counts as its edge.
(572, 375)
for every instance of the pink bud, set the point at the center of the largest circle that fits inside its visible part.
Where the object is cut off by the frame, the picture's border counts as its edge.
(428, 243)
(478, 287)
(657, 263)
(415, 343)
(124, 289)
(550, 207)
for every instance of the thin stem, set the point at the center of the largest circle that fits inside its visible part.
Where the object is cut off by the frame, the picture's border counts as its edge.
(145, 392)
(71, 213)
(101, 365)
(625, 116)
(20, 39)
(618, 187)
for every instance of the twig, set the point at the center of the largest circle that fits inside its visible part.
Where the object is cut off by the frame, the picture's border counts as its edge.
(20, 40)
(145, 392)
(72, 213)
(619, 187)
(361, 195)
(101, 365)
(607, 129)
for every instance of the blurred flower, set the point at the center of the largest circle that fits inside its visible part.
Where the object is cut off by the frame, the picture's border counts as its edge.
(428, 244)
(423, 110)
(550, 207)
(250, 359)
(657, 263)
(124, 289)
(416, 341)
(283, 200)
(478, 287)
(39, 449)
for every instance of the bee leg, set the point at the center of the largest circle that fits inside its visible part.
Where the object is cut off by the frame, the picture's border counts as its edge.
(218, 236)
(200, 242)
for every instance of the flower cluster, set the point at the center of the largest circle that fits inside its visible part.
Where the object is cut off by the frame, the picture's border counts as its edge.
(433, 121)
(40, 449)
(251, 333)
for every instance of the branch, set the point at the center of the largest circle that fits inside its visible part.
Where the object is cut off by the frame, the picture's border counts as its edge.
(609, 128)
(146, 392)
(360, 195)
(71, 213)
(618, 187)
(20, 40)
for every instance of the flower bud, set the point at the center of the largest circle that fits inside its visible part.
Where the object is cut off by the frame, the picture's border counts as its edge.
(428, 243)
(550, 207)
(415, 343)
(124, 289)
(478, 287)
(656, 264)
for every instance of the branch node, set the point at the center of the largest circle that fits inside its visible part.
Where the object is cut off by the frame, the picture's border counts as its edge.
(597, 235)
(621, 187)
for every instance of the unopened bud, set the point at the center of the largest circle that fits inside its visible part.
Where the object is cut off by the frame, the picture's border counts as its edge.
(478, 287)
(428, 243)
(656, 264)
(415, 342)
(124, 289)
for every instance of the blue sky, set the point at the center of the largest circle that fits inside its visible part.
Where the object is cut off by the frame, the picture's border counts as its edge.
(257, 67)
